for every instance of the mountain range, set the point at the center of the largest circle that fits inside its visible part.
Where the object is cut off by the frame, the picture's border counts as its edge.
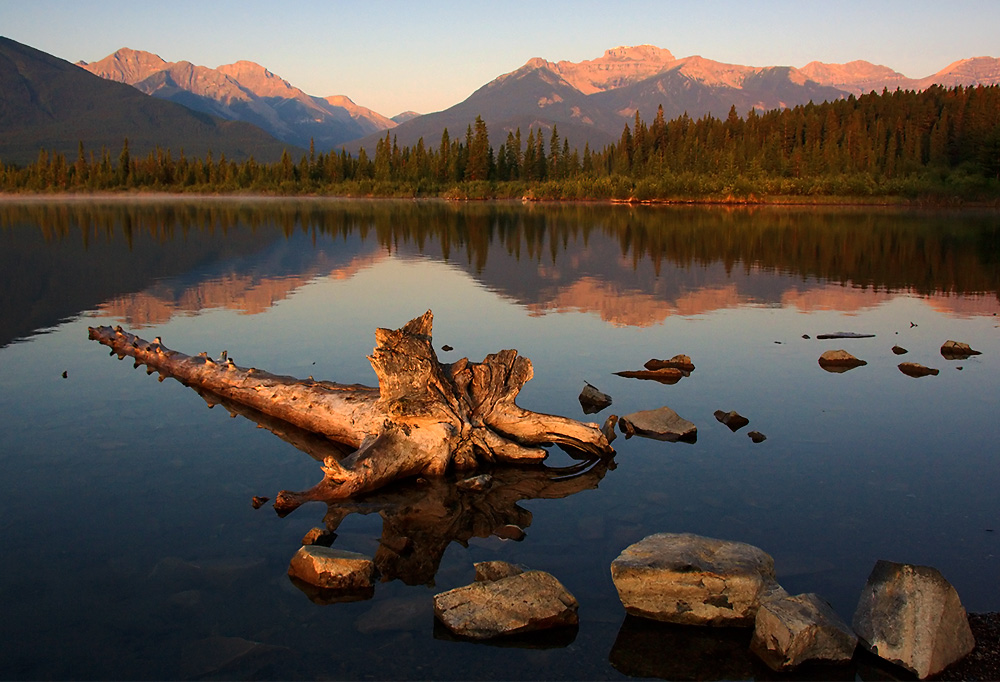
(46, 102)
(589, 101)
(244, 91)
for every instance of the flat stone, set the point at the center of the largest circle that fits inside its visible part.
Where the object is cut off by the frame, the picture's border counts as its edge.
(956, 350)
(899, 350)
(844, 335)
(332, 569)
(757, 436)
(911, 616)
(693, 580)
(661, 424)
(667, 375)
(916, 370)
(790, 631)
(526, 602)
(593, 400)
(733, 419)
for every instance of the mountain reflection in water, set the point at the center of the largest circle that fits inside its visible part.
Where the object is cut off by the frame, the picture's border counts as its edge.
(632, 266)
(865, 465)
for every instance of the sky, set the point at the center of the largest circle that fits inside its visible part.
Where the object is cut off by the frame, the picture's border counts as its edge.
(427, 56)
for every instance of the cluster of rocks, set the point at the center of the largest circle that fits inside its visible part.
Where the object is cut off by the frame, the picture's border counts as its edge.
(661, 423)
(907, 615)
(838, 361)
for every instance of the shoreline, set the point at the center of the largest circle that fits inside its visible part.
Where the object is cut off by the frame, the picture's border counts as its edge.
(145, 196)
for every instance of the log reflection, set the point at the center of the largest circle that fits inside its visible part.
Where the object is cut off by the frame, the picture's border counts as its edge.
(421, 517)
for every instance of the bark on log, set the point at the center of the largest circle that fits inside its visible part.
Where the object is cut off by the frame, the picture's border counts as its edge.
(424, 418)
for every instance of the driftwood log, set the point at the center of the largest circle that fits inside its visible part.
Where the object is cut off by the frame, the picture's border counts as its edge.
(424, 418)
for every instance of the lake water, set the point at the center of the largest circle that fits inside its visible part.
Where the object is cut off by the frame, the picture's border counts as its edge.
(131, 549)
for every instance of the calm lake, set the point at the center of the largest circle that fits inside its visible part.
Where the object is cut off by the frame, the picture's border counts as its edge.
(130, 547)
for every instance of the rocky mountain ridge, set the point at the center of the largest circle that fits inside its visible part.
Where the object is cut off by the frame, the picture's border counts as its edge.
(591, 101)
(244, 91)
(48, 103)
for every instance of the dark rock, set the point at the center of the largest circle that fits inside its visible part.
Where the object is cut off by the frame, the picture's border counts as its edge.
(839, 361)
(593, 400)
(845, 335)
(661, 424)
(667, 375)
(899, 350)
(681, 362)
(257, 501)
(790, 631)
(956, 350)
(913, 369)
(911, 616)
(694, 580)
(319, 536)
(608, 428)
(525, 602)
(446, 348)
(757, 436)
(733, 419)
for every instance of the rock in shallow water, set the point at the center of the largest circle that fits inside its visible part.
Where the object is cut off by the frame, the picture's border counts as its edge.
(733, 419)
(332, 569)
(593, 400)
(839, 361)
(911, 616)
(662, 424)
(916, 370)
(792, 630)
(693, 580)
(956, 350)
(524, 602)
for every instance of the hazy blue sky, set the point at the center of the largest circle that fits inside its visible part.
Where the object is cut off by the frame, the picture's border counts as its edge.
(427, 56)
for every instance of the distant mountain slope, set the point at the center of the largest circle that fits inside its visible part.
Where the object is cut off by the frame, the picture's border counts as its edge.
(861, 77)
(48, 102)
(591, 101)
(699, 86)
(244, 91)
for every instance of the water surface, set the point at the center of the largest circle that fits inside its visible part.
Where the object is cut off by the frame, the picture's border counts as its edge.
(130, 546)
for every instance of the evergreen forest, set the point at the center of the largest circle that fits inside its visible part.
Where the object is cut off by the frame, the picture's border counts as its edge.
(940, 145)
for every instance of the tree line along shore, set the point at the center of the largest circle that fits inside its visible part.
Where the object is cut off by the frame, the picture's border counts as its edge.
(940, 145)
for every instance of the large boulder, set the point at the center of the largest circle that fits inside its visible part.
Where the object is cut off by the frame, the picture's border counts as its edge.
(694, 580)
(790, 631)
(911, 616)
(661, 424)
(518, 603)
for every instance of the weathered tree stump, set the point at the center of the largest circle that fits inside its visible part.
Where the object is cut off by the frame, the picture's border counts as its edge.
(424, 418)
